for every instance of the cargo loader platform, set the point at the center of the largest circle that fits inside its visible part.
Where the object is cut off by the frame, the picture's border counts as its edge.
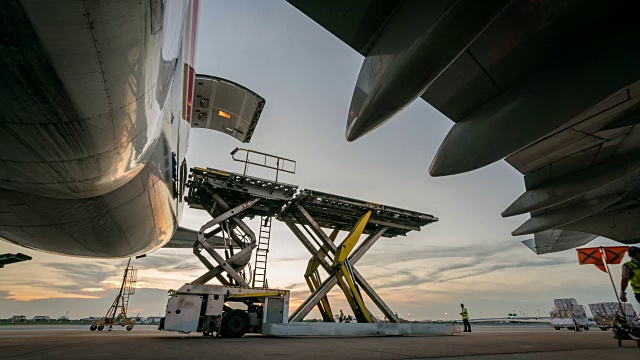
(316, 219)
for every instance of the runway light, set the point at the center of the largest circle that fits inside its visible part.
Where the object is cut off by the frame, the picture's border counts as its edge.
(224, 114)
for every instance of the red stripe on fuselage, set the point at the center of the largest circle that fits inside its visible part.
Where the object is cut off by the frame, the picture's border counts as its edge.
(192, 76)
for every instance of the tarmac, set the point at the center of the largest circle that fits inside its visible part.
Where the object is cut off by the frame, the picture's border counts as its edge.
(145, 342)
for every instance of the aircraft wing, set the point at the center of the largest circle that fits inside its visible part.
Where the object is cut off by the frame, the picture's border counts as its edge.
(552, 88)
(550, 241)
(184, 238)
(355, 22)
(6, 259)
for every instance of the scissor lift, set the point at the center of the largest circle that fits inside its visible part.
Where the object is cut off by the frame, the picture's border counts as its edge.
(231, 198)
(312, 211)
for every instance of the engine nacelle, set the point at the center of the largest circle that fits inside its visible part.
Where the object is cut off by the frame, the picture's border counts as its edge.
(420, 41)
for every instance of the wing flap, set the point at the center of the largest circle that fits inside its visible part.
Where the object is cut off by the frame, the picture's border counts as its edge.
(555, 240)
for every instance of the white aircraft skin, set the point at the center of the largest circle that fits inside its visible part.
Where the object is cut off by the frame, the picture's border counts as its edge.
(96, 99)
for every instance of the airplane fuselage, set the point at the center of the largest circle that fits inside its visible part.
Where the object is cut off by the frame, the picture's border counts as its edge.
(95, 122)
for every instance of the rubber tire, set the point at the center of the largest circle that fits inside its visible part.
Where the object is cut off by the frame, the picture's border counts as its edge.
(586, 328)
(571, 328)
(100, 327)
(93, 327)
(235, 324)
(129, 327)
(604, 328)
(556, 327)
(619, 343)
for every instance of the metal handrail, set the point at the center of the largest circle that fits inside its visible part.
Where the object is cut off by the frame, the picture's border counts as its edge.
(280, 162)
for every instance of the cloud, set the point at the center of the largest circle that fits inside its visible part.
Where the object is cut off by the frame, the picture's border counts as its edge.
(409, 252)
(91, 290)
(439, 264)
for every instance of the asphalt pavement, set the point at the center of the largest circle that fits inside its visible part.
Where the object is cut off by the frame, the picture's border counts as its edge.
(145, 342)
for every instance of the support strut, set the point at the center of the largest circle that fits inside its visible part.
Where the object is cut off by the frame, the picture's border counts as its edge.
(341, 271)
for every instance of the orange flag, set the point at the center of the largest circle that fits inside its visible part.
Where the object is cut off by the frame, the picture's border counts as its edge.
(614, 254)
(593, 256)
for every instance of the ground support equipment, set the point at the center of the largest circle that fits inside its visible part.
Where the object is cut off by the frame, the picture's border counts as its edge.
(232, 198)
(117, 313)
(200, 307)
(605, 314)
(624, 330)
(311, 211)
(229, 198)
(208, 309)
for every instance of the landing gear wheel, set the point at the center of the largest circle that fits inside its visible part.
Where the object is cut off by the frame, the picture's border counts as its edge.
(93, 327)
(129, 327)
(571, 328)
(100, 327)
(586, 328)
(556, 327)
(603, 328)
(234, 324)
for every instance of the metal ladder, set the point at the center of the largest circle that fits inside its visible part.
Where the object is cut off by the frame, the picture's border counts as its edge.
(262, 251)
(129, 287)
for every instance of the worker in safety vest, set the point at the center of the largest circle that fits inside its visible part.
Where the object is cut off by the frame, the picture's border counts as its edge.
(465, 318)
(631, 274)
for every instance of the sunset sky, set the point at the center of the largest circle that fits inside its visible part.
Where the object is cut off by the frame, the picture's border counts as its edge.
(307, 77)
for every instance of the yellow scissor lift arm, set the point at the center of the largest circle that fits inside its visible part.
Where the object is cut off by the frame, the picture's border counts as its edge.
(346, 279)
(312, 277)
(309, 212)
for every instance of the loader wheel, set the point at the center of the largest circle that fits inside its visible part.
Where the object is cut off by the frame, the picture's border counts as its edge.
(93, 327)
(235, 323)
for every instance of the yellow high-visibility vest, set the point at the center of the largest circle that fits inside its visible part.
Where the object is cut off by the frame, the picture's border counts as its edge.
(464, 313)
(635, 279)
